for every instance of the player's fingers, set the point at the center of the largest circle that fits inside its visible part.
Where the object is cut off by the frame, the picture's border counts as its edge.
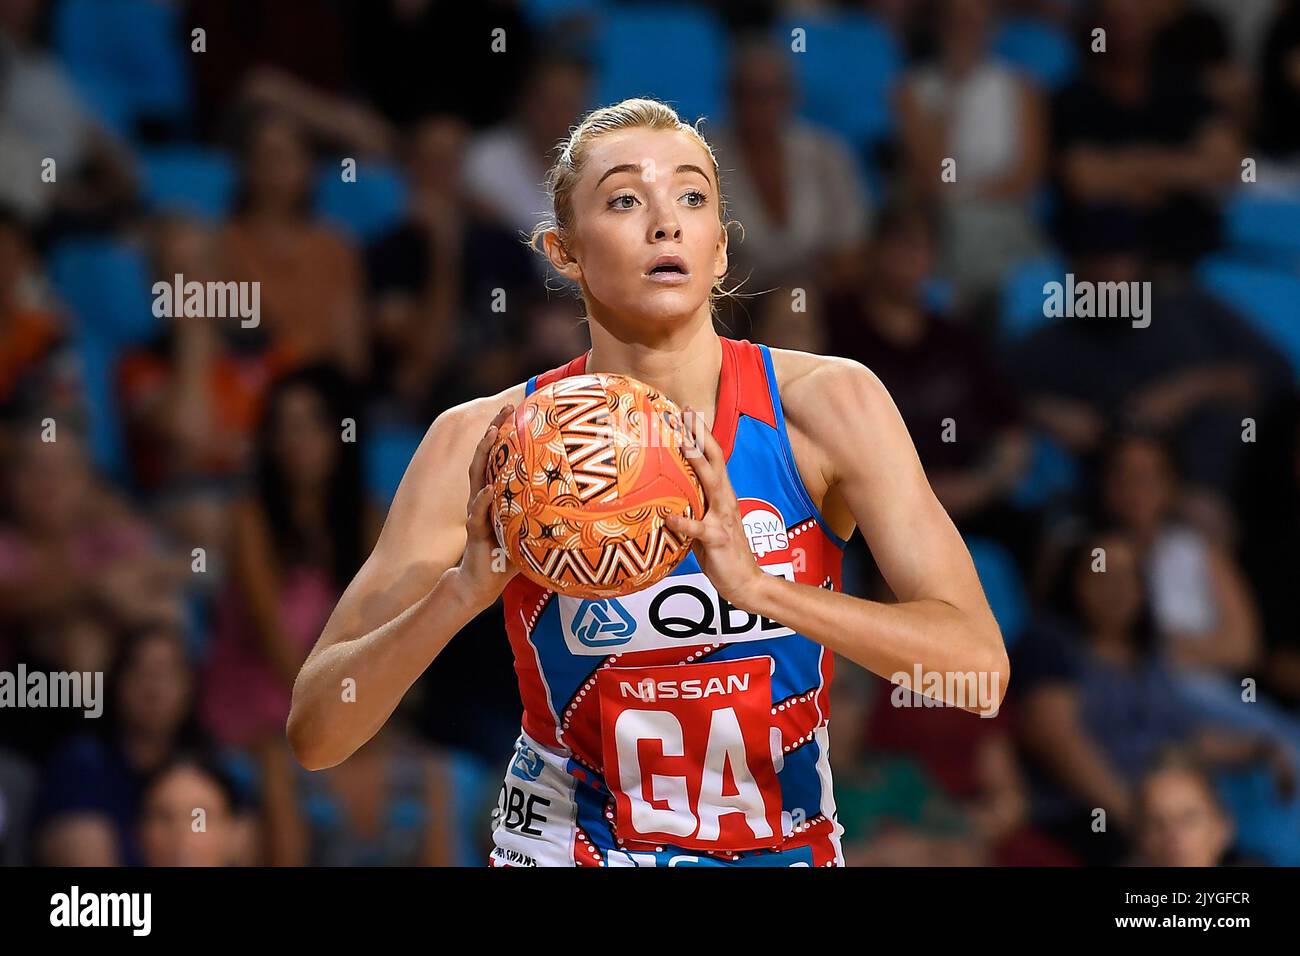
(477, 514)
(478, 464)
(709, 462)
(506, 410)
(684, 526)
(694, 447)
(703, 436)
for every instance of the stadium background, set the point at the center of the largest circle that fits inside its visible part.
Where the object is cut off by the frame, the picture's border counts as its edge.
(1175, 448)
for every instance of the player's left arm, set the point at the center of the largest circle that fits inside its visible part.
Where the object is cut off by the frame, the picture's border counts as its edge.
(941, 621)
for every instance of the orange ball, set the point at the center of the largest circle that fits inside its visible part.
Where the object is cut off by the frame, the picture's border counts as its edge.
(584, 473)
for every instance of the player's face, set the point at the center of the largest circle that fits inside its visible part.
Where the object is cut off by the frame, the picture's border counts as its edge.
(648, 241)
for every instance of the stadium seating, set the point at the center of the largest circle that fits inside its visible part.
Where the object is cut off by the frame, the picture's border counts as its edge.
(673, 53)
(127, 58)
(365, 209)
(388, 451)
(1266, 228)
(1052, 473)
(1040, 49)
(105, 287)
(1002, 586)
(1269, 298)
(846, 78)
(546, 12)
(192, 179)
(1023, 297)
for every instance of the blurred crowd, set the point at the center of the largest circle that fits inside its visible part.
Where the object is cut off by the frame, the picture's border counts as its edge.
(183, 498)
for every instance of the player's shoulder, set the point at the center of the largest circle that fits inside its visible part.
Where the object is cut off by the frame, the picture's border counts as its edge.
(821, 388)
(463, 425)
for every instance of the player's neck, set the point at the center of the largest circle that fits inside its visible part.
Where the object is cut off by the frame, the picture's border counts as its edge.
(685, 365)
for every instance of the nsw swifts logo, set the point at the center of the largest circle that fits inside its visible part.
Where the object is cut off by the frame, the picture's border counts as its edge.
(684, 608)
(765, 528)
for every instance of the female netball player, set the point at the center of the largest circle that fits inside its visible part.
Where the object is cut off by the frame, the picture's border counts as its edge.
(684, 724)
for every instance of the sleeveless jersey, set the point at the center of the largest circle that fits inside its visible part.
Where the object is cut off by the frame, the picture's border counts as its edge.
(667, 727)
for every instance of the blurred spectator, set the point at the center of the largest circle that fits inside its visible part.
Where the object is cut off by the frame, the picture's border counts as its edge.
(1180, 819)
(936, 371)
(150, 716)
(191, 397)
(969, 107)
(1202, 608)
(38, 371)
(171, 831)
(892, 812)
(1277, 132)
(1203, 611)
(1129, 133)
(389, 804)
(1269, 499)
(786, 318)
(76, 640)
(70, 544)
(1095, 705)
(394, 39)
(299, 536)
(973, 761)
(505, 168)
(450, 288)
(17, 791)
(1194, 370)
(794, 188)
(42, 118)
(255, 57)
(1195, 50)
(310, 279)
(79, 839)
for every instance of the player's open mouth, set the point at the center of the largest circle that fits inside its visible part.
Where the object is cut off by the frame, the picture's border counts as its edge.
(668, 270)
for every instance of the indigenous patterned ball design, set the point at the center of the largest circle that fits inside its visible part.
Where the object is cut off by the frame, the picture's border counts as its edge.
(584, 473)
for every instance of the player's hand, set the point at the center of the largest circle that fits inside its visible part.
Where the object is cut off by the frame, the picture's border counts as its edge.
(719, 543)
(485, 568)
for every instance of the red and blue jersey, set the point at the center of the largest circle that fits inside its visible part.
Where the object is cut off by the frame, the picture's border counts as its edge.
(667, 727)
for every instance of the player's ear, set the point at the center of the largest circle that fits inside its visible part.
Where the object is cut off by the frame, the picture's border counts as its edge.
(561, 256)
(720, 254)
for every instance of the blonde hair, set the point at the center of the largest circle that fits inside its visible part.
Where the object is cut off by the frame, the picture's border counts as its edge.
(635, 113)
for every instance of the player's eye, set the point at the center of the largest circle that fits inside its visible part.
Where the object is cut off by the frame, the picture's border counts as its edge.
(623, 201)
(695, 198)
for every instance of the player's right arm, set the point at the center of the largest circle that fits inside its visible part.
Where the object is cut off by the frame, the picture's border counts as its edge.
(431, 572)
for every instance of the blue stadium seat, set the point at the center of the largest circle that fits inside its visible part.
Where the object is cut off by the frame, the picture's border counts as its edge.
(846, 75)
(105, 285)
(388, 452)
(193, 179)
(1268, 298)
(128, 58)
(1002, 586)
(1052, 472)
(1042, 50)
(1023, 297)
(939, 294)
(98, 359)
(671, 53)
(1265, 227)
(546, 12)
(366, 208)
